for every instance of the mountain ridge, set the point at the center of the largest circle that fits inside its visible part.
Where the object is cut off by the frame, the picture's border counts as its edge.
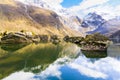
(41, 18)
(31, 18)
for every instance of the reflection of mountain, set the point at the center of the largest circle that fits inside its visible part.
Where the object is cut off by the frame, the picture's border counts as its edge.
(114, 50)
(12, 47)
(32, 58)
(70, 50)
(28, 57)
(95, 54)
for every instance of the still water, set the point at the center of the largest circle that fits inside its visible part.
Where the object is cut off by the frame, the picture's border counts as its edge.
(64, 61)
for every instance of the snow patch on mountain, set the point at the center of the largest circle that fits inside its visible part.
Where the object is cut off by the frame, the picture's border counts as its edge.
(48, 4)
(109, 27)
(98, 16)
(107, 8)
(93, 21)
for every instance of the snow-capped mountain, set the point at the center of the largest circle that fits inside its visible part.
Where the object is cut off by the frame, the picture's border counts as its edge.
(108, 11)
(90, 23)
(66, 17)
(93, 21)
(109, 27)
(115, 37)
(46, 4)
(16, 16)
(96, 23)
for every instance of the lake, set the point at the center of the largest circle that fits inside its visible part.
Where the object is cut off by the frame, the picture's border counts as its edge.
(64, 61)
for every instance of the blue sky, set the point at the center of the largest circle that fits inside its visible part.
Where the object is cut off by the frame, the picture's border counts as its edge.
(114, 2)
(70, 3)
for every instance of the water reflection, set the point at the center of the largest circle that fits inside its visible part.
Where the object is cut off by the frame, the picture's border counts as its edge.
(57, 62)
(13, 47)
(33, 57)
(95, 54)
(102, 69)
(79, 69)
(114, 50)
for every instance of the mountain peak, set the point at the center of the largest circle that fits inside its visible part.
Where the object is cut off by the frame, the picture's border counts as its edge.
(93, 15)
(92, 19)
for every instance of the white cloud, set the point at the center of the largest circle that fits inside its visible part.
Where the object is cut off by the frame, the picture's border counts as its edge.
(88, 4)
(54, 3)
(51, 3)
(20, 76)
(53, 70)
(106, 68)
(85, 67)
(108, 8)
(88, 72)
(107, 11)
(102, 7)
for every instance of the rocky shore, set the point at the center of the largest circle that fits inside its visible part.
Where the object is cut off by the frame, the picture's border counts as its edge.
(26, 37)
(90, 42)
(96, 42)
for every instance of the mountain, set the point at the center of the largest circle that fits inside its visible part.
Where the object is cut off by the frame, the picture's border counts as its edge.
(47, 4)
(72, 21)
(109, 27)
(17, 16)
(66, 17)
(92, 20)
(97, 23)
(91, 23)
(40, 17)
(115, 37)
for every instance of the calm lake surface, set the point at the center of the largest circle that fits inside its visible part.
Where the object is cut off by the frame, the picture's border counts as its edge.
(64, 61)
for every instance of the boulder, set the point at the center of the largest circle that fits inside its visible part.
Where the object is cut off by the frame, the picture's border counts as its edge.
(54, 39)
(17, 37)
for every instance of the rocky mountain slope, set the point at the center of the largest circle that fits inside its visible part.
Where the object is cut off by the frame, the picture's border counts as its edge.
(16, 16)
(40, 17)
(67, 18)
(108, 27)
(115, 37)
(92, 20)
